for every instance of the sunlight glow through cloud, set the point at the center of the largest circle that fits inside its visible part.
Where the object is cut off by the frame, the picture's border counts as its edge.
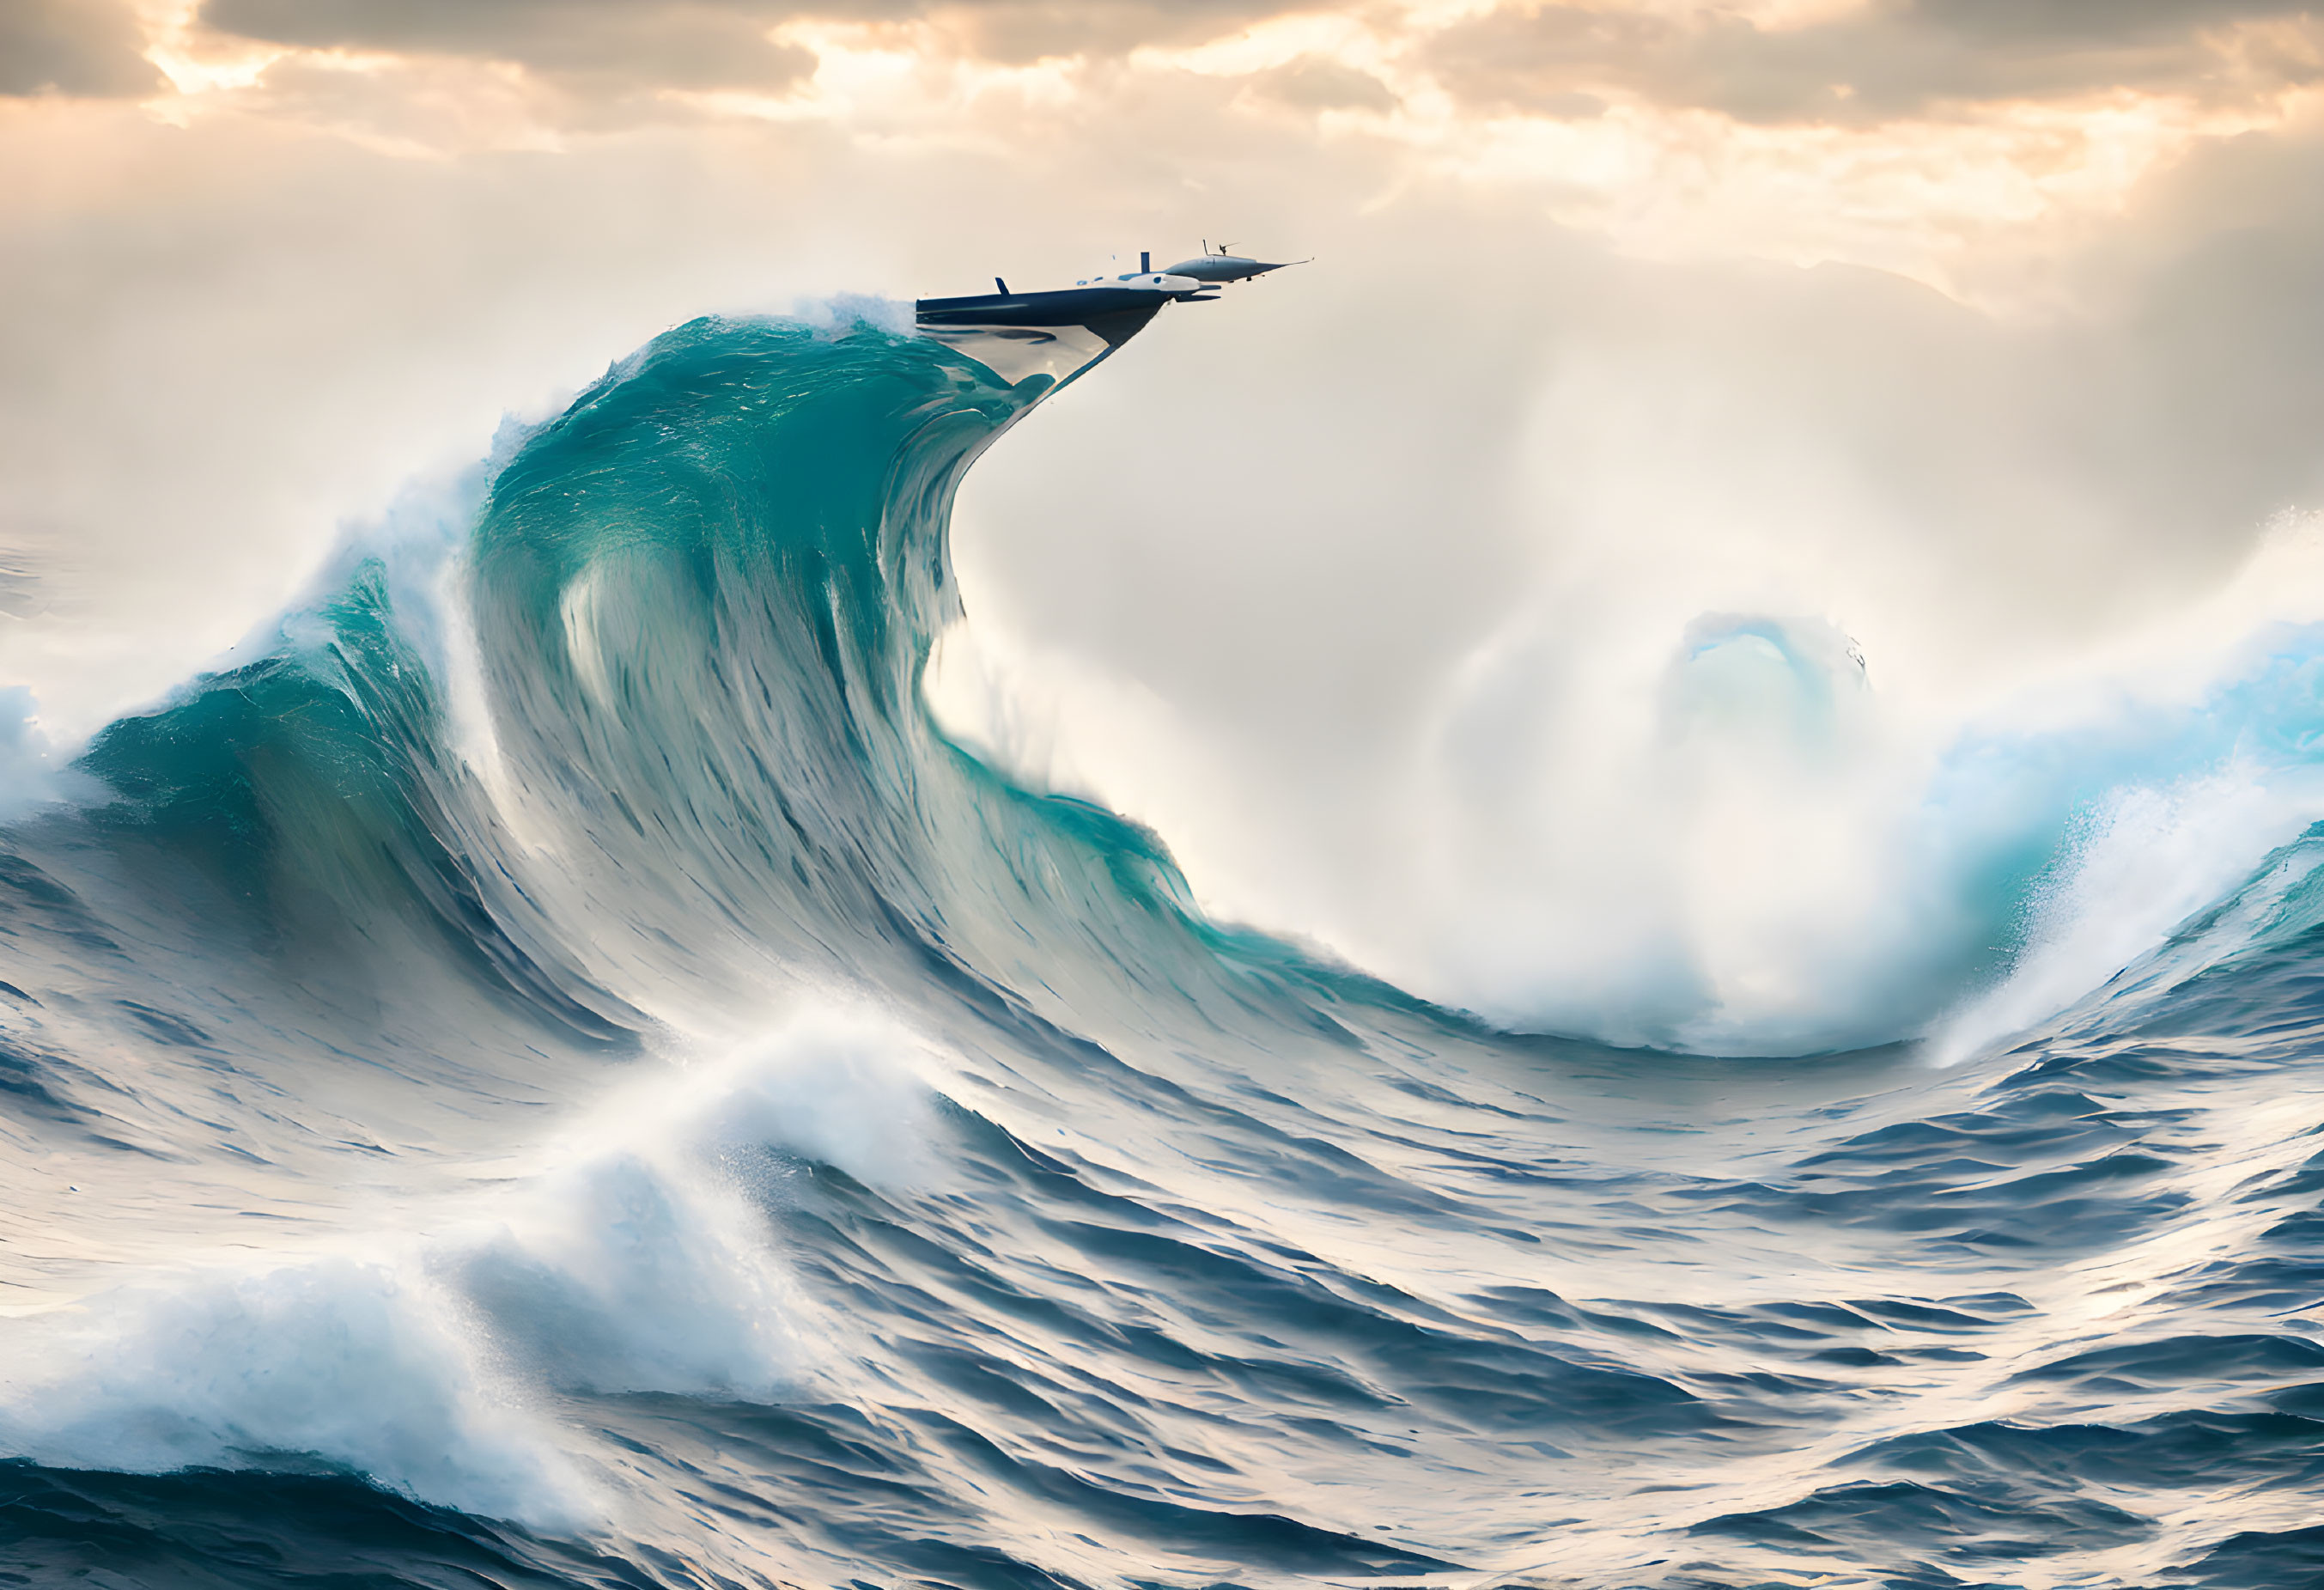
(1955, 191)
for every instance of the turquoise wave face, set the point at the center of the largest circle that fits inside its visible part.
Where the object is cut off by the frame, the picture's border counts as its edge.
(697, 605)
(565, 1074)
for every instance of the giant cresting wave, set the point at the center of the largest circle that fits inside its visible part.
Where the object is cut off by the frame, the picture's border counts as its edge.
(568, 1071)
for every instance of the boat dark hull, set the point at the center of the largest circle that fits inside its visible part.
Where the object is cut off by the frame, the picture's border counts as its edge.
(1115, 314)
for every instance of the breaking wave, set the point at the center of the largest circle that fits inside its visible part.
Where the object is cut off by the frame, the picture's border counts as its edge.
(568, 1071)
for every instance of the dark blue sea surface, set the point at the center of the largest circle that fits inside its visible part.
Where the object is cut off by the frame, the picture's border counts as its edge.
(563, 1075)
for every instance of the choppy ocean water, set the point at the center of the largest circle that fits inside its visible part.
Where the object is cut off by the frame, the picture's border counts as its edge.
(564, 1074)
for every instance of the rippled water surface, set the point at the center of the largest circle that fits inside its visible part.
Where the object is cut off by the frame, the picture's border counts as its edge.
(564, 1076)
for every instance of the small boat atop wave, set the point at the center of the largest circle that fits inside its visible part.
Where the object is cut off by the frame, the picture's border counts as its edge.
(1219, 265)
(1090, 319)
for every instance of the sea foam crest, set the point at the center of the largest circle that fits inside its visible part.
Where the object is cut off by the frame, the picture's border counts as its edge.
(635, 1253)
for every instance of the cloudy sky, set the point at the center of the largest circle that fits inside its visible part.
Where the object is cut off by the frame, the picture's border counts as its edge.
(1985, 333)
(267, 259)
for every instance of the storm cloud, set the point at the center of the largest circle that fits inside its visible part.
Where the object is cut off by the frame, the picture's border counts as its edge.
(72, 48)
(689, 44)
(1880, 62)
(694, 45)
(1892, 58)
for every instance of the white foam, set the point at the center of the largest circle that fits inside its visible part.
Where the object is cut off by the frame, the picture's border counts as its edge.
(632, 1251)
(2143, 862)
(33, 771)
(1667, 799)
(361, 1364)
(837, 314)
